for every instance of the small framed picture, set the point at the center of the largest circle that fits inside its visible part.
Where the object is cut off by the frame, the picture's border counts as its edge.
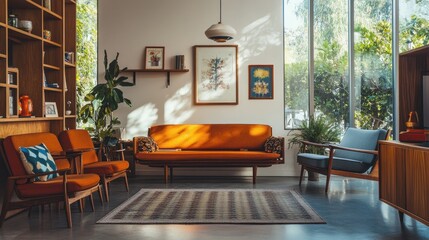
(51, 109)
(261, 82)
(154, 58)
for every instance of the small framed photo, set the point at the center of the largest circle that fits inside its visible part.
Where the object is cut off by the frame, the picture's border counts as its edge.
(51, 109)
(261, 82)
(154, 58)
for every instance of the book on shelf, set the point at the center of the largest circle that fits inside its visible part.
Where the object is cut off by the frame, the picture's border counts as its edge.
(52, 85)
(180, 61)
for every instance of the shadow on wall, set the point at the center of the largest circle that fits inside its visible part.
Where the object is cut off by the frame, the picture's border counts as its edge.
(177, 109)
(256, 38)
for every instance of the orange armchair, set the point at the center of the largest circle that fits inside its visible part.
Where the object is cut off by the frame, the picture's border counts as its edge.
(67, 188)
(107, 170)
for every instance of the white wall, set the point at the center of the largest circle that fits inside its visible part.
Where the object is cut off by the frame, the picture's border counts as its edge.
(127, 26)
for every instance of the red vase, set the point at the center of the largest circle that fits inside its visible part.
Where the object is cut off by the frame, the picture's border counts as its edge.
(26, 106)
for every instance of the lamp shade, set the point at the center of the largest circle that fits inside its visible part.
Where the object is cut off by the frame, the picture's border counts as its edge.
(220, 32)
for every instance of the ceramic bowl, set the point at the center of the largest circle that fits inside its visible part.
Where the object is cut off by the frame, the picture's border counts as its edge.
(25, 25)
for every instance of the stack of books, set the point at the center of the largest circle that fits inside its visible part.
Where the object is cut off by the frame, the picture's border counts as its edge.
(180, 61)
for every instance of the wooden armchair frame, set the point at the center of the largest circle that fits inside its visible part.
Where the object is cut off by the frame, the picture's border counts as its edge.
(13, 206)
(371, 175)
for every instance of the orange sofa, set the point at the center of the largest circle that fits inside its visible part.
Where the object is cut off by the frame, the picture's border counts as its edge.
(209, 145)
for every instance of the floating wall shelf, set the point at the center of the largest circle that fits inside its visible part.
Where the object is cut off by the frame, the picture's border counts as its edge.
(167, 71)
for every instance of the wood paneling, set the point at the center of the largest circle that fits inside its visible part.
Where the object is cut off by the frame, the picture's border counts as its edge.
(404, 178)
(412, 65)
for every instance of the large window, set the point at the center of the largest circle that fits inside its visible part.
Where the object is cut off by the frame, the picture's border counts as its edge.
(86, 49)
(349, 74)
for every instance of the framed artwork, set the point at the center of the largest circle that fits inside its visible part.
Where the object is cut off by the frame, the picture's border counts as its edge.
(154, 58)
(215, 74)
(51, 109)
(261, 82)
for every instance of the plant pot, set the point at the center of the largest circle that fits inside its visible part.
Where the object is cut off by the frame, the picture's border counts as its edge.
(313, 176)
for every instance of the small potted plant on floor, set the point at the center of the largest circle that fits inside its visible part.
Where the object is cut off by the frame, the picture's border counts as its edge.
(318, 130)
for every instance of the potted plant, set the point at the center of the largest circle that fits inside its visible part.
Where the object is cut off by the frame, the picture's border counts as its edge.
(103, 100)
(318, 130)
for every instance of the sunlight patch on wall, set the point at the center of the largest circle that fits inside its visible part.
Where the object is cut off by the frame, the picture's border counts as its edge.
(178, 109)
(257, 37)
(139, 120)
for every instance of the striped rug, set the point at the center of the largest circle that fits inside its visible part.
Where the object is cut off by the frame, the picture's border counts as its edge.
(201, 206)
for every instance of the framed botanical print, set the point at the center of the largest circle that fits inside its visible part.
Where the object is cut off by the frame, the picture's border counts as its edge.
(215, 74)
(261, 82)
(154, 58)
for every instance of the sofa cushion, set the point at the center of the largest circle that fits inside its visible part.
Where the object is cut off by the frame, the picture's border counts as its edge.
(211, 136)
(146, 144)
(274, 145)
(321, 161)
(37, 159)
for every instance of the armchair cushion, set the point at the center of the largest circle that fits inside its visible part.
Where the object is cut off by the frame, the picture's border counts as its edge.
(321, 161)
(106, 168)
(360, 139)
(38, 159)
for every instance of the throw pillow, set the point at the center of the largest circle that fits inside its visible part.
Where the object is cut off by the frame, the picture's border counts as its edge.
(147, 144)
(274, 145)
(38, 159)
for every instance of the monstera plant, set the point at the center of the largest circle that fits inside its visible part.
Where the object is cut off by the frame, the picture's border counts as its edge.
(103, 100)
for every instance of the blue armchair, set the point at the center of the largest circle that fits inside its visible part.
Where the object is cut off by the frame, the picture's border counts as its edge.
(355, 156)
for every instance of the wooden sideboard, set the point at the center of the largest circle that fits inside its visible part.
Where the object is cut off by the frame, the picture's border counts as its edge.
(404, 178)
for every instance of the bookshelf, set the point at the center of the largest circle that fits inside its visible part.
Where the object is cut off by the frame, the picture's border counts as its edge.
(37, 65)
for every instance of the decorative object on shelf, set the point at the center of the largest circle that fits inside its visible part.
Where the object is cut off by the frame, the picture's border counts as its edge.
(11, 103)
(220, 32)
(154, 58)
(12, 20)
(47, 4)
(26, 106)
(103, 100)
(216, 74)
(261, 82)
(180, 62)
(25, 25)
(413, 120)
(69, 57)
(51, 109)
(52, 85)
(68, 111)
(47, 34)
(11, 78)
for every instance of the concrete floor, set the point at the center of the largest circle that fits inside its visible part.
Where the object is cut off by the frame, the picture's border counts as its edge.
(352, 210)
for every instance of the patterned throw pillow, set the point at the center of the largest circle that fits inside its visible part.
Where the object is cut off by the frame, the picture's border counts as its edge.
(274, 145)
(38, 159)
(147, 144)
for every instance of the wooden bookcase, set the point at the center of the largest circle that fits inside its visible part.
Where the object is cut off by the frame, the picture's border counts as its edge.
(39, 65)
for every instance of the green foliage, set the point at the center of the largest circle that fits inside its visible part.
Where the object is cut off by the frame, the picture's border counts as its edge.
(104, 99)
(86, 51)
(318, 130)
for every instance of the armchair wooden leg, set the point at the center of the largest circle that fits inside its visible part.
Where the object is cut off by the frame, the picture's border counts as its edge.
(302, 174)
(328, 176)
(126, 182)
(91, 198)
(6, 201)
(171, 174)
(100, 193)
(106, 188)
(68, 212)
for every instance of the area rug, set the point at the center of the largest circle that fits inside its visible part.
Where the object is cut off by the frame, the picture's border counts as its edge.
(209, 206)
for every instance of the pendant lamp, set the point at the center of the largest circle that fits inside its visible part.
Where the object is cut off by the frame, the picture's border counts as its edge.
(220, 32)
